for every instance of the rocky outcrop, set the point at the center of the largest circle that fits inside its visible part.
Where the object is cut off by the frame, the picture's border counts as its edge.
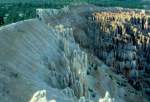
(119, 37)
(66, 55)
(122, 41)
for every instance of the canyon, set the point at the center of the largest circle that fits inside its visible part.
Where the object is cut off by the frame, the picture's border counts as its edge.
(80, 53)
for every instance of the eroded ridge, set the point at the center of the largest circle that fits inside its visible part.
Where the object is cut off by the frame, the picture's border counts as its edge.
(122, 41)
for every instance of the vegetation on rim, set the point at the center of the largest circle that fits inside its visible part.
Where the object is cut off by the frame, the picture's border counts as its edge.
(16, 10)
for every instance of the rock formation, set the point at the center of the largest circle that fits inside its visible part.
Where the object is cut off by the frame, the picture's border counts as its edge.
(80, 53)
(122, 41)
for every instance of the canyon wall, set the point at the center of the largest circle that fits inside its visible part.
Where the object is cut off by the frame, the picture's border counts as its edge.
(68, 55)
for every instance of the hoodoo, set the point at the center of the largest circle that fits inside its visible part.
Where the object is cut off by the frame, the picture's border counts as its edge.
(80, 53)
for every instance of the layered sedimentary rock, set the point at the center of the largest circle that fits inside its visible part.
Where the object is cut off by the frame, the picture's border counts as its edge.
(41, 58)
(122, 41)
(119, 37)
(67, 55)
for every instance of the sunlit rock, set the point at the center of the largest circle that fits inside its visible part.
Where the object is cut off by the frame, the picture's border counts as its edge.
(81, 53)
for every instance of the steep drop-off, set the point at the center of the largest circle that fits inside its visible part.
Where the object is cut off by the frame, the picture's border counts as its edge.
(58, 57)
